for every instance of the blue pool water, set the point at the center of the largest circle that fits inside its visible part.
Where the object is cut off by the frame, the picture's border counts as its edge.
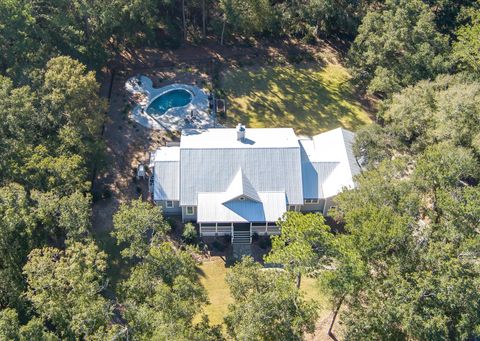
(170, 99)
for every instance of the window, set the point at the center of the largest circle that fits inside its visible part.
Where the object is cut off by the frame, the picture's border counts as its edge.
(241, 198)
(189, 210)
(169, 204)
(292, 208)
(311, 201)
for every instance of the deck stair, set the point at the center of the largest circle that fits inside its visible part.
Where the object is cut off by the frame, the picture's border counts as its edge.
(241, 237)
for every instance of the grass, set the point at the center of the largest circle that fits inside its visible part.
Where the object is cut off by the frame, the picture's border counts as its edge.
(213, 280)
(308, 97)
(212, 277)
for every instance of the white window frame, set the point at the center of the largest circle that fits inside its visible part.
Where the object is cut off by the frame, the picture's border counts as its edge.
(311, 201)
(189, 208)
(169, 203)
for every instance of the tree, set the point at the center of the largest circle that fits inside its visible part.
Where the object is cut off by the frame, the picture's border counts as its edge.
(162, 296)
(444, 110)
(35, 330)
(304, 244)
(189, 234)
(71, 95)
(16, 226)
(139, 224)
(406, 267)
(9, 324)
(18, 128)
(467, 47)
(66, 217)
(247, 17)
(396, 46)
(268, 306)
(65, 288)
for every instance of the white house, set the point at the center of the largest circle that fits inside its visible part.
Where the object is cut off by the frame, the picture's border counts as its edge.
(240, 181)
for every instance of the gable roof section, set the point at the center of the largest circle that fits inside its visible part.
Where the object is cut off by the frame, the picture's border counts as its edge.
(241, 187)
(268, 158)
(328, 163)
(167, 174)
(212, 208)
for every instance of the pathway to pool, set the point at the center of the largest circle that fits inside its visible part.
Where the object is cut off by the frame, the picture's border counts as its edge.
(195, 114)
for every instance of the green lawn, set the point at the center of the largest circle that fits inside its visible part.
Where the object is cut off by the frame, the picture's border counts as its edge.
(212, 277)
(310, 98)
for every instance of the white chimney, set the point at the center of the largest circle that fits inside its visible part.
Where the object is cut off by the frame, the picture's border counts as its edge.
(240, 132)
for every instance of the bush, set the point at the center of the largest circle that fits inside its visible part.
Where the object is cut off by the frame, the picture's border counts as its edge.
(189, 234)
(255, 237)
(227, 239)
(265, 242)
(218, 246)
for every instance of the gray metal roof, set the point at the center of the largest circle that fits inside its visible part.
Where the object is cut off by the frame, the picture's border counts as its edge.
(268, 160)
(166, 180)
(167, 173)
(268, 169)
(227, 138)
(213, 208)
(241, 187)
(328, 163)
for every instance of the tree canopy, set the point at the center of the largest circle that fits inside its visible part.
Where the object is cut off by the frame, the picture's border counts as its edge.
(407, 267)
(304, 244)
(398, 45)
(268, 305)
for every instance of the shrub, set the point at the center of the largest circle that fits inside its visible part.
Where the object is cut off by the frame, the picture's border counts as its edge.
(218, 246)
(227, 239)
(189, 234)
(265, 242)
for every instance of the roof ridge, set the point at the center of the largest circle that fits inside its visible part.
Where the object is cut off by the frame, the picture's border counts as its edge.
(241, 186)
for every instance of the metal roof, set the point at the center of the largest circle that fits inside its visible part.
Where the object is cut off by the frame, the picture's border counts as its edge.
(241, 187)
(268, 169)
(227, 138)
(169, 153)
(328, 163)
(214, 161)
(167, 173)
(213, 208)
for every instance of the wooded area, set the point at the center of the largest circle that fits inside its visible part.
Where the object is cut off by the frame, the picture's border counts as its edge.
(406, 266)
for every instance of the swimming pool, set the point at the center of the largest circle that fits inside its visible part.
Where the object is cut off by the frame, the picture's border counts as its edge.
(170, 99)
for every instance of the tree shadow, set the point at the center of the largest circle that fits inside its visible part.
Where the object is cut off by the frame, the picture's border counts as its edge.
(307, 97)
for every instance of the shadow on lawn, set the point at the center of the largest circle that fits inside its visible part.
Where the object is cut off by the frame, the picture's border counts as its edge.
(311, 99)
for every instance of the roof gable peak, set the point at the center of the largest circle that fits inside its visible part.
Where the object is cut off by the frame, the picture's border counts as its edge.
(241, 187)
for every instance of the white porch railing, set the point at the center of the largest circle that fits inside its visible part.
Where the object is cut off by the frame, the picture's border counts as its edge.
(264, 229)
(212, 230)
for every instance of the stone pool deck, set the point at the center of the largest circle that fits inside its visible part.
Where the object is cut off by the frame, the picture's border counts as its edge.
(193, 115)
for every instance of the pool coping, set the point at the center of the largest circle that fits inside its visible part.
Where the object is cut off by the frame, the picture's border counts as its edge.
(174, 118)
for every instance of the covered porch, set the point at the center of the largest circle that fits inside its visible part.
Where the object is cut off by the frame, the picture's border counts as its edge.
(240, 232)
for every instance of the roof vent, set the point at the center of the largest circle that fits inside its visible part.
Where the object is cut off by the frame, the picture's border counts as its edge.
(240, 132)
